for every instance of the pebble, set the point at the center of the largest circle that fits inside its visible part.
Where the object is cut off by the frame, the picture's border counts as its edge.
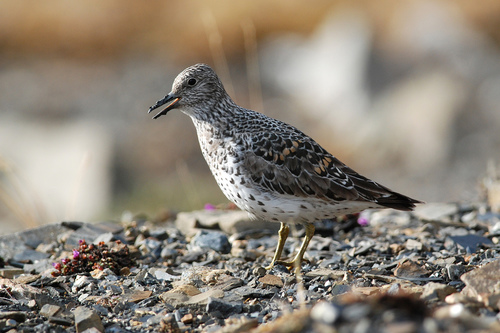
(49, 310)
(224, 309)
(86, 319)
(214, 240)
(271, 280)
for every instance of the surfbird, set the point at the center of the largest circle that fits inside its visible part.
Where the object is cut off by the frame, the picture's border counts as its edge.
(268, 168)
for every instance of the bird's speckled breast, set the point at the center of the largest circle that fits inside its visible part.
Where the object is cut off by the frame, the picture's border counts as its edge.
(223, 159)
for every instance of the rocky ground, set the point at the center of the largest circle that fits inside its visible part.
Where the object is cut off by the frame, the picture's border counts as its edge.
(433, 270)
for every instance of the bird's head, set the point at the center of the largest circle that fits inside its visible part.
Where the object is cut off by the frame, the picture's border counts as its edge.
(194, 91)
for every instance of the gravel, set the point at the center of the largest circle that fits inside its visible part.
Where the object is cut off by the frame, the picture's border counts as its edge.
(433, 270)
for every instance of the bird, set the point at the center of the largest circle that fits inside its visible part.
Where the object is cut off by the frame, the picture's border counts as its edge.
(269, 168)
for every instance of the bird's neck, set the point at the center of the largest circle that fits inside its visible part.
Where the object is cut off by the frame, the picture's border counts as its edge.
(220, 116)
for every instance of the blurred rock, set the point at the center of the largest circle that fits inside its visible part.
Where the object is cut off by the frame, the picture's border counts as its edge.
(435, 211)
(228, 221)
(12, 244)
(483, 280)
(71, 176)
(434, 292)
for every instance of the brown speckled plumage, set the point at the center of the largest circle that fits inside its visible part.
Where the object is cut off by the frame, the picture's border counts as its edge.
(267, 167)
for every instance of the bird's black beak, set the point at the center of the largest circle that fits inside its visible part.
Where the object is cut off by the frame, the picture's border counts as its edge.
(171, 100)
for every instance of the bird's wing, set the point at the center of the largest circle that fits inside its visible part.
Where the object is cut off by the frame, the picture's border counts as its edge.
(296, 165)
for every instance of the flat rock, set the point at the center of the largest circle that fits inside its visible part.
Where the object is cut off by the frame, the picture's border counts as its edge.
(175, 299)
(186, 289)
(49, 310)
(247, 292)
(326, 272)
(229, 284)
(136, 295)
(10, 272)
(483, 280)
(410, 269)
(230, 222)
(203, 297)
(271, 280)
(435, 211)
(414, 245)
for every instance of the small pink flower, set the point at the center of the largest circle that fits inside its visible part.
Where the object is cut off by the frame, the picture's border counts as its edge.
(76, 254)
(209, 206)
(56, 265)
(65, 261)
(363, 221)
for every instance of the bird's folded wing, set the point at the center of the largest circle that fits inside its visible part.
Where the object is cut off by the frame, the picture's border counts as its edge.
(298, 167)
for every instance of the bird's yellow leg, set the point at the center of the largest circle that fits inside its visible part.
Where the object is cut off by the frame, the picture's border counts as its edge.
(297, 261)
(282, 236)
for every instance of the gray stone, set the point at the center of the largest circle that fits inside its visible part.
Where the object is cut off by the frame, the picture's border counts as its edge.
(30, 256)
(39, 267)
(214, 240)
(49, 310)
(12, 244)
(340, 289)
(105, 237)
(455, 271)
(225, 308)
(413, 245)
(91, 231)
(86, 318)
(247, 292)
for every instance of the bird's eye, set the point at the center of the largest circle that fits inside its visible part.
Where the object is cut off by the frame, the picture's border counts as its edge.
(192, 82)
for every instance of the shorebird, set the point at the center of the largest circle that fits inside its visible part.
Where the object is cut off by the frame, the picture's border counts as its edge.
(268, 168)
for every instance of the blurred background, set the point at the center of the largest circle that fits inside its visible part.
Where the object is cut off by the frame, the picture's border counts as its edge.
(405, 92)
